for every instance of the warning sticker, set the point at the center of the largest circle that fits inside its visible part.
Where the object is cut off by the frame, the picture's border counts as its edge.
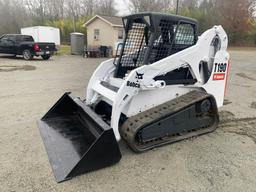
(219, 71)
(218, 76)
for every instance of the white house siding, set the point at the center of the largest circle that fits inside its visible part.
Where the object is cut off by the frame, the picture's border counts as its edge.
(108, 34)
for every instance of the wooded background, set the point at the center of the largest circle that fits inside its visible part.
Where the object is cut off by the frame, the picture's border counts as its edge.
(238, 17)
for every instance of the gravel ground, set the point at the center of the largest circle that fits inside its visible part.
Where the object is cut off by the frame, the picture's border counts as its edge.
(221, 161)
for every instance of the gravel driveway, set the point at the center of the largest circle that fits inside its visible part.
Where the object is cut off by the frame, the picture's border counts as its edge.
(221, 161)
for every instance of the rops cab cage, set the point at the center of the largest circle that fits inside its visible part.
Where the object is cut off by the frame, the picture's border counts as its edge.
(150, 37)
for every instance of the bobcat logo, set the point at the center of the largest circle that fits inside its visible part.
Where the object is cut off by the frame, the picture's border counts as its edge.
(133, 84)
(139, 75)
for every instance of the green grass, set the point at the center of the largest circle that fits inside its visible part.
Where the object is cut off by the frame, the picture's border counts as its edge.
(64, 50)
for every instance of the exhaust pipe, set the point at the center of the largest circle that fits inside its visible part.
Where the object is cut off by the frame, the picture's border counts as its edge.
(76, 139)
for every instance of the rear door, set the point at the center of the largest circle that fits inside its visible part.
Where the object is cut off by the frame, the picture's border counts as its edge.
(10, 44)
(3, 44)
(7, 44)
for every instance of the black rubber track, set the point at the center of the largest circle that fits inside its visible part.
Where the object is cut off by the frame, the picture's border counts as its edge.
(181, 118)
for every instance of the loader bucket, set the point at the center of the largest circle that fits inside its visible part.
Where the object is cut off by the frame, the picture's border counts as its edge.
(76, 139)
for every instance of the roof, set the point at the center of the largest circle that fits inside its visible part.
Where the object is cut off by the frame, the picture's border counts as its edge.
(114, 21)
(76, 33)
(39, 27)
(158, 16)
(14, 34)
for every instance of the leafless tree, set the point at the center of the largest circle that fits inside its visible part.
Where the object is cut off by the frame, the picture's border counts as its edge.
(106, 7)
(189, 3)
(12, 16)
(232, 14)
(150, 5)
(88, 7)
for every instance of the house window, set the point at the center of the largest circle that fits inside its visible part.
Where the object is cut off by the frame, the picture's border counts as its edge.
(120, 34)
(96, 34)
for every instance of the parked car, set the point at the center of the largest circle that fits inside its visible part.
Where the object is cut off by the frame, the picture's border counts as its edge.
(25, 45)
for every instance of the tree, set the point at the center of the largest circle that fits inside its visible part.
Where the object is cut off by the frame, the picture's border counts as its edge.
(150, 5)
(191, 4)
(234, 16)
(238, 17)
(12, 16)
(106, 7)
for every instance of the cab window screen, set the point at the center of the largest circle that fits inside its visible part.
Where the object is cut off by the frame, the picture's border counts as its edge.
(135, 45)
(184, 35)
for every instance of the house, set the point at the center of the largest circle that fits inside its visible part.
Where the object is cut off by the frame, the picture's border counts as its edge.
(104, 31)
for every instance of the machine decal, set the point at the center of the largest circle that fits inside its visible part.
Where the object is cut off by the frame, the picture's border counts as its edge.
(139, 75)
(133, 84)
(218, 76)
(219, 71)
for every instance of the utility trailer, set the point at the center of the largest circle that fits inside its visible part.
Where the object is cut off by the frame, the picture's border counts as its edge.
(43, 34)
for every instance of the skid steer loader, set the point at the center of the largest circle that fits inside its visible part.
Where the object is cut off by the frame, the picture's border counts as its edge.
(166, 85)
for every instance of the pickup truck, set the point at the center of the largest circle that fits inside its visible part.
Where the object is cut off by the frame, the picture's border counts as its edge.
(25, 45)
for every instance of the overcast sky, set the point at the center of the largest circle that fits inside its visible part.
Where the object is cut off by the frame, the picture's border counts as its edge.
(122, 7)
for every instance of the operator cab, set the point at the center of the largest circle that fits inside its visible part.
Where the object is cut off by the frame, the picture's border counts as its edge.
(150, 37)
